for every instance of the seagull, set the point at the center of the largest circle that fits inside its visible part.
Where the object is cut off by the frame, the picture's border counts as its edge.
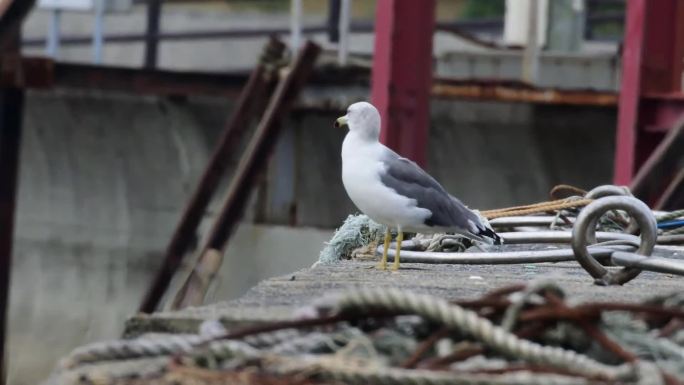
(395, 191)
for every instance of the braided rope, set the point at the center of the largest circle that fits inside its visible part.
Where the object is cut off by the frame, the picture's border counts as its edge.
(678, 230)
(142, 347)
(396, 376)
(155, 347)
(482, 329)
(671, 215)
(265, 340)
(311, 342)
(535, 208)
(334, 369)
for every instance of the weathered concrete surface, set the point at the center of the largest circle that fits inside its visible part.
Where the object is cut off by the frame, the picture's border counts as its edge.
(278, 298)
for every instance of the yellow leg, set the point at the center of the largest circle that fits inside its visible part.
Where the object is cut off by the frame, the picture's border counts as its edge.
(400, 238)
(383, 262)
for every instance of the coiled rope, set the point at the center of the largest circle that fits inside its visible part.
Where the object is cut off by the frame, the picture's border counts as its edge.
(439, 310)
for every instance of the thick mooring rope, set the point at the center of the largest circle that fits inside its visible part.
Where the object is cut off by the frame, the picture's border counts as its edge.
(154, 347)
(396, 376)
(439, 310)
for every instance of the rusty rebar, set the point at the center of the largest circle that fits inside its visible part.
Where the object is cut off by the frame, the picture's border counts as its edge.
(424, 347)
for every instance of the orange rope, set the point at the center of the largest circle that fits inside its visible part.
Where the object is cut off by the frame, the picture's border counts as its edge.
(563, 191)
(535, 208)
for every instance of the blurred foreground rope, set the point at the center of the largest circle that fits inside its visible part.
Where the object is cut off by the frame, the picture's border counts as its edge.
(369, 336)
(482, 329)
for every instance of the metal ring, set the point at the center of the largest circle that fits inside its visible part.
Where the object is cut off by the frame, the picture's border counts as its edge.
(585, 229)
(604, 191)
(607, 190)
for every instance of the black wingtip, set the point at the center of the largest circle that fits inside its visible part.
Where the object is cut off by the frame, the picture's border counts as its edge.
(489, 233)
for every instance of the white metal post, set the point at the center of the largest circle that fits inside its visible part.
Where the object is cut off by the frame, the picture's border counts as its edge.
(53, 38)
(530, 65)
(295, 24)
(343, 28)
(98, 30)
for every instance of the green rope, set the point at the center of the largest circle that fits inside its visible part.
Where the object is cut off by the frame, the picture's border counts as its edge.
(355, 232)
(678, 230)
(671, 215)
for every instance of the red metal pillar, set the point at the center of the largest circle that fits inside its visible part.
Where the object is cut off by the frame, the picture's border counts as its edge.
(650, 97)
(402, 74)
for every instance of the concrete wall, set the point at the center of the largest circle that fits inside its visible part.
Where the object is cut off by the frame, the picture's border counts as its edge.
(103, 179)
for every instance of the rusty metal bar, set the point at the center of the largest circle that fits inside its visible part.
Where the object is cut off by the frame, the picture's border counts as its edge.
(400, 88)
(673, 196)
(251, 164)
(37, 72)
(12, 14)
(515, 92)
(661, 167)
(11, 110)
(232, 134)
(146, 81)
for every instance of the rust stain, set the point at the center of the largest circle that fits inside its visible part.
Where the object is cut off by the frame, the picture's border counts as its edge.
(510, 91)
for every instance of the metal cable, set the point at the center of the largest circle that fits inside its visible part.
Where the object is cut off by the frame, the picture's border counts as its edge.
(439, 310)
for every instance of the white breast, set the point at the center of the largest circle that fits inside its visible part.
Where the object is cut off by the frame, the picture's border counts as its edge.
(361, 170)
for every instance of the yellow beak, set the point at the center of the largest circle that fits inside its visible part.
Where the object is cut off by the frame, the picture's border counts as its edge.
(340, 122)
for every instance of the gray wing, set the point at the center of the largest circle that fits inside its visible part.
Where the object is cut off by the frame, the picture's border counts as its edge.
(408, 179)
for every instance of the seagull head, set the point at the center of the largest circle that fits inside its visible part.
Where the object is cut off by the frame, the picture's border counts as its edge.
(362, 118)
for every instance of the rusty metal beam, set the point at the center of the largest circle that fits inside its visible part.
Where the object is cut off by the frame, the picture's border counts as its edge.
(660, 112)
(37, 72)
(252, 164)
(165, 82)
(22, 72)
(651, 90)
(11, 111)
(673, 196)
(12, 15)
(661, 167)
(402, 74)
(251, 100)
(516, 92)
(147, 81)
